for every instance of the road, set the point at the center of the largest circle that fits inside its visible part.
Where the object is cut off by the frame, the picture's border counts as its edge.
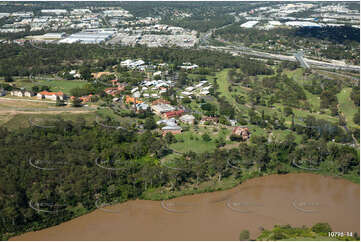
(240, 50)
(25, 100)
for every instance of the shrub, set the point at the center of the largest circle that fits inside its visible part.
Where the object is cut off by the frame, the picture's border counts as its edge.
(206, 137)
(244, 235)
(321, 228)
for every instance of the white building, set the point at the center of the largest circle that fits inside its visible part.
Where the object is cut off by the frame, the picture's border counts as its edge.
(188, 119)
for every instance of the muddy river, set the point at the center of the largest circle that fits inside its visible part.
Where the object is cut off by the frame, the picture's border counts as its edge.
(295, 199)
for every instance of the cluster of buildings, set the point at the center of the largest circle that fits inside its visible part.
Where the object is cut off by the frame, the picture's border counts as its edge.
(40, 95)
(200, 89)
(122, 27)
(326, 14)
(155, 36)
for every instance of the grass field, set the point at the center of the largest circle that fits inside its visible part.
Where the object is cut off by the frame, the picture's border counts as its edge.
(347, 106)
(55, 85)
(22, 120)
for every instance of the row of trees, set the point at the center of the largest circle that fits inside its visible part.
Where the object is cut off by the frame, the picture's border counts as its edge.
(27, 60)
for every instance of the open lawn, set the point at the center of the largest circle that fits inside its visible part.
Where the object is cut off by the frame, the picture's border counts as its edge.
(192, 142)
(21, 120)
(347, 106)
(55, 85)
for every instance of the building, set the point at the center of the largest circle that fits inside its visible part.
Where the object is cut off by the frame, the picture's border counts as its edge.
(84, 99)
(167, 122)
(129, 99)
(171, 129)
(141, 106)
(233, 122)
(17, 93)
(162, 108)
(172, 114)
(188, 119)
(51, 95)
(160, 101)
(89, 36)
(21, 93)
(242, 132)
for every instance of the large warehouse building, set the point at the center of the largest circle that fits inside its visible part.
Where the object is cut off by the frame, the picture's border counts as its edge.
(89, 36)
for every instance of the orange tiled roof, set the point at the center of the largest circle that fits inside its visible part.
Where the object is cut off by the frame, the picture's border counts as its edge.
(174, 113)
(51, 93)
(129, 99)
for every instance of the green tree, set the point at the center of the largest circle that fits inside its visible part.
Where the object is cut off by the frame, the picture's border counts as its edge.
(206, 137)
(323, 228)
(287, 111)
(169, 138)
(356, 118)
(9, 79)
(150, 123)
(244, 235)
(85, 73)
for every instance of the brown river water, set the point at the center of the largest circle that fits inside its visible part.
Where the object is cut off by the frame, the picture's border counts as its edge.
(295, 199)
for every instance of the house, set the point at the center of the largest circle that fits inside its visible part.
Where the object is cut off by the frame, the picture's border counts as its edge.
(134, 90)
(242, 132)
(141, 106)
(51, 95)
(233, 122)
(129, 99)
(112, 91)
(171, 129)
(188, 119)
(191, 67)
(167, 122)
(21, 93)
(136, 94)
(157, 73)
(209, 120)
(187, 93)
(204, 92)
(172, 114)
(162, 108)
(28, 94)
(189, 89)
(17, 93)
(84, 99)
(160, 101)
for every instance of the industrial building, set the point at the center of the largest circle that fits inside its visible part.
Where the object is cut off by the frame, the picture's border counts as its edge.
(91, 36)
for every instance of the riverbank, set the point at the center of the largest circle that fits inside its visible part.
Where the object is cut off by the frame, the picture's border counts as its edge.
(264, 191)
(159, 194)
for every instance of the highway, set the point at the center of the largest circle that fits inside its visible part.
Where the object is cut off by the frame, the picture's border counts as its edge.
(240, 50)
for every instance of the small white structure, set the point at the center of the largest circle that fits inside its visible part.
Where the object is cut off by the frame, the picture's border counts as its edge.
(188, 119)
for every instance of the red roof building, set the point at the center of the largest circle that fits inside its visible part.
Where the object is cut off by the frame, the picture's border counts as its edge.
(173, 114)
(50, 95)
